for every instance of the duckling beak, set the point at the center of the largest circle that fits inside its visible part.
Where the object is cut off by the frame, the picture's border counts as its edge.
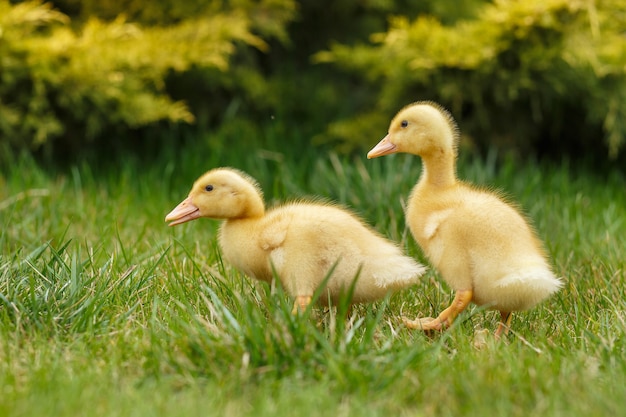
(384, 147)
(183, 212)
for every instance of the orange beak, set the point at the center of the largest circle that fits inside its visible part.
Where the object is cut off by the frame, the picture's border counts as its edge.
(384, 147)
(184, 212)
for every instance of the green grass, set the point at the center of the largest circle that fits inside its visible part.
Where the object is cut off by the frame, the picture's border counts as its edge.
(104, 310)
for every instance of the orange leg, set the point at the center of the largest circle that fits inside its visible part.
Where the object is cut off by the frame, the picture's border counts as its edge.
(461, 300)
(504, 325)
(301, 303)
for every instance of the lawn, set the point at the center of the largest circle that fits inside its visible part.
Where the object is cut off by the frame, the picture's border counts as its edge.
(105, 311)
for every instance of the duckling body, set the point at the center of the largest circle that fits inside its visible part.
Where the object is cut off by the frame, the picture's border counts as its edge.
(480, 244)
(301, 242)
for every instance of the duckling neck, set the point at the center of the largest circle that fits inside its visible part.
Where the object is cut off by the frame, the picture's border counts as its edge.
(239, 241)
(439, 169)
(249, 206)
(254, 210)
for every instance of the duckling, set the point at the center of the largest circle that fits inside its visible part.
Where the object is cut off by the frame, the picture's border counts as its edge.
(301, 242)
(480, 244)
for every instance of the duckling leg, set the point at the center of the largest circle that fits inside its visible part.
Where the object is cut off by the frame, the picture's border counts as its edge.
(461, 300)
(504, 325)
(301, 303)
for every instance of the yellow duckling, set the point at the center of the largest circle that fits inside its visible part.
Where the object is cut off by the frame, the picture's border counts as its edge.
(301, 241)
(482, 247)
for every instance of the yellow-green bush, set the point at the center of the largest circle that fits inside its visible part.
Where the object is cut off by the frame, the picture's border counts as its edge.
(548, 75)
(528, 75)
(75, 81)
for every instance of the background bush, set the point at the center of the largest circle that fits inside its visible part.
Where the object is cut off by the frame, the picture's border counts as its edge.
(66, 82)
(528, 77)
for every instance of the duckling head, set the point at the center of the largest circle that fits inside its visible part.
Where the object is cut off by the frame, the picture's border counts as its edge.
(421, 128)
(222, 193)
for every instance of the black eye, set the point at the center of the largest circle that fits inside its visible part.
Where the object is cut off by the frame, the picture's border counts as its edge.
(404, 123)
(209, 188)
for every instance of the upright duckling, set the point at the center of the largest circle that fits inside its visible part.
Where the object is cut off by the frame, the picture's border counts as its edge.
(301, 241)
(482, 247)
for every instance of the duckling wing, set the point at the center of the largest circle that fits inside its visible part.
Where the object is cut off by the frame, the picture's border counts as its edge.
(274, 230)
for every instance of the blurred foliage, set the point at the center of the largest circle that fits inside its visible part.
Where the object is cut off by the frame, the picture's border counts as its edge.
(536, 76)
(66, 82)
(265, 17)
(543, 75)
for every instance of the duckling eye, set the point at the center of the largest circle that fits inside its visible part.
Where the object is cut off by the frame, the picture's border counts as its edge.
(404, 123)
(209, 188)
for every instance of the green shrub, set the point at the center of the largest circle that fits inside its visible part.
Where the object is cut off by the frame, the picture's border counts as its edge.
(547, 75)
(103, 79)
(527, 76)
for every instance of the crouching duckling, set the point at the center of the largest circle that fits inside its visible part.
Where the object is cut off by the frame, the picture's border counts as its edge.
(301, 242)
